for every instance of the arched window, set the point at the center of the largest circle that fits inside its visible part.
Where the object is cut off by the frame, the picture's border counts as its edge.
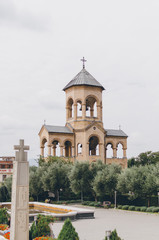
(68, 149)
(109, 150)
(79, 149)
(70, 108)
(119, 150)
(93, 146)
(91, 107)
(56, 148)
(79, 108)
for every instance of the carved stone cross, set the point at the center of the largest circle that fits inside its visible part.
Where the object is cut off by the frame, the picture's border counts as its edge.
(21, 148)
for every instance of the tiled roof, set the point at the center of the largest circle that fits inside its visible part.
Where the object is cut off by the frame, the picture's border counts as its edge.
(115, 133)
(57, 129)
(83, 78)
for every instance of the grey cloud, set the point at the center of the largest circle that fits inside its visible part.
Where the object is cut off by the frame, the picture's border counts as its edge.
(9, 15)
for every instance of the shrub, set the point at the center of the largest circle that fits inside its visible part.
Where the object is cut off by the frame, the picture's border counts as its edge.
(112, 206)
(97, 204)
(4, 216)
(91, 204)
(68, 231)
(41, 228)
(131, 208)
(119, 207)
(125, 207)
(31, 199)
(155, 209)
(3, 227)
(44, 238)
(150, 209)
(143, 209)
(137, 209)
(114, 236)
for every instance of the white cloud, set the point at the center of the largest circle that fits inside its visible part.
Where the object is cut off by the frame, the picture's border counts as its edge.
(41, 45)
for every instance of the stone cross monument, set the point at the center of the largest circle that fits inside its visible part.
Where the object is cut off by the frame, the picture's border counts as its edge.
(20, 195)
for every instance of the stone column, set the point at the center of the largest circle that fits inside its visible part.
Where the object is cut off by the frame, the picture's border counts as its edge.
(42, 151)
(49, 150)
(73, 151)
(54, 150)
(83, 111)
(98, 112)
(75, 111)
(114, 153)
(92, 112)
(61, 151)
(20, 195)
(124, 152)
(67, 113)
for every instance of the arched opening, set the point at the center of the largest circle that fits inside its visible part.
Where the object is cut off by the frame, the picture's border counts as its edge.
(56, 148)
(91, 107)
(79, 108)
(93, 146)
(70, 108)
(68, 149)
(119, 150)
(79, 148)
(109, 150)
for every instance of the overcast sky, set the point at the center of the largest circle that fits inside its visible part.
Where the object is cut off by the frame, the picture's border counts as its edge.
(41, 44)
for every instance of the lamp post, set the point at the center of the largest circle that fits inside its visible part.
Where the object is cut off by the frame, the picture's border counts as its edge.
(108, 234)
(158, 198)
(115, 199)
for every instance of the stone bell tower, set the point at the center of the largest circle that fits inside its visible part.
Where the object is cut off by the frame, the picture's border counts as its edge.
(83, 100)
(84, 138)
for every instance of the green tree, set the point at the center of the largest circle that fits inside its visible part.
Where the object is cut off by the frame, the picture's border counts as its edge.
(41, 227)
(143, 159)
(4, 216)
(55, 178)
(35, 182)
(106, 180)
(114, 236)
(80, 178)
(8, 184)
(139, 181)
(68, 231)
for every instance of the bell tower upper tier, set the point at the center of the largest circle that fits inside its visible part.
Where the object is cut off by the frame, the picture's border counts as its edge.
(83, 100)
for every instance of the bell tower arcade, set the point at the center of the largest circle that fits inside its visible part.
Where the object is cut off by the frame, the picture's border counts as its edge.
(83, 100)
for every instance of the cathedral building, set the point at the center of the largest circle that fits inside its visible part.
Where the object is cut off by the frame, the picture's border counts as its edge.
(84, 137)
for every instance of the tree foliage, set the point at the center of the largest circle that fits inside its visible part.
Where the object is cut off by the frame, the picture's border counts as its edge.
(138, 181)
(80, 178)
(40, 227)
(3, 216)
(68, 231)
(55, 179)
(143, 159)
(105, 181)
(114, 236)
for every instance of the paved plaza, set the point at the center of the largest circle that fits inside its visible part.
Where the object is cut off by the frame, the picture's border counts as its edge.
(129, 225)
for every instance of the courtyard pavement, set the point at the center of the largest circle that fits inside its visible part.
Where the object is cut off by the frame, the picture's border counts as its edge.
(129, 225)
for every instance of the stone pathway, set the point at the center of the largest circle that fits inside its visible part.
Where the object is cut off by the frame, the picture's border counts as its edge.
(129, 225)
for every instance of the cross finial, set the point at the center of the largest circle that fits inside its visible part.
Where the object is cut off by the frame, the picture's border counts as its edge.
(119, 127)
(44, 121)
(21, 148)
(83, 60)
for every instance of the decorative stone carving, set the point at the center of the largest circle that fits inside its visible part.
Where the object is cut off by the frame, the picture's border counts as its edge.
(20, 195)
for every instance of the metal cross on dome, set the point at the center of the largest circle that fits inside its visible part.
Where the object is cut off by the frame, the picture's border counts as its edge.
(83, 60)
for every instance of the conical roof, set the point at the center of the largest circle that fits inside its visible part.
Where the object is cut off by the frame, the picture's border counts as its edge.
(83, 78)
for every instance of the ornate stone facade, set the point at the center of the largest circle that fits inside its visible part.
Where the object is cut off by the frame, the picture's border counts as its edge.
(84, 137)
